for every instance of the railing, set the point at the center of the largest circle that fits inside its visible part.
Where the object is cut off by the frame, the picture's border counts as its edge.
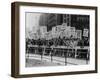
(61, 52)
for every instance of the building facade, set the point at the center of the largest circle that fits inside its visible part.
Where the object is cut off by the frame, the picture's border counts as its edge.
(77, 21)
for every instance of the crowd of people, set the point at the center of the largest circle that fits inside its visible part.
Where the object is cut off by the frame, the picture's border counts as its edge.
(54, 46)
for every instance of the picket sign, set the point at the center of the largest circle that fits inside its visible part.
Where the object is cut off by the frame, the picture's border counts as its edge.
(43, 29)
(85, 32)
(58, 31)
(79, 34)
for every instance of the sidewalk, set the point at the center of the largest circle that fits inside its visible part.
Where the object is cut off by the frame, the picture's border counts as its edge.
(36, 60)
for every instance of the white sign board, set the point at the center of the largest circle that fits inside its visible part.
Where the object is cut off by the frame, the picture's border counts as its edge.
(53, 30)
(85, 32)
(73, 34)
(64, 24)
(62, 34)
(79, 34)
(43, 29)
(58, 28)
(67, 32)
(48, 35)
(36, 36)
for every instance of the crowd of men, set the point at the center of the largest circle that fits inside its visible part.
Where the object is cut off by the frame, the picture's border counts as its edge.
(39, 46)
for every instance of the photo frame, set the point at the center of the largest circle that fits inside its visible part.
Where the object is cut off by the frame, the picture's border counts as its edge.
(53, 39)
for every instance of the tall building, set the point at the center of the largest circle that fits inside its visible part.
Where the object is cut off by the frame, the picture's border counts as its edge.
(78, 21)
(43, 19)
(81, 22)
(51, 20)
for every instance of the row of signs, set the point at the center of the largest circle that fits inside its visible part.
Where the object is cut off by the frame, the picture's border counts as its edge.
(60, 31)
